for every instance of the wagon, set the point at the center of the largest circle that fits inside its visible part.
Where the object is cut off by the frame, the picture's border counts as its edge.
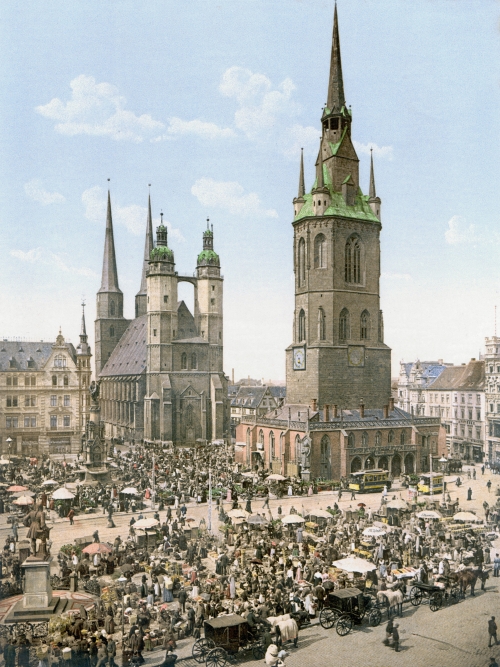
(225, 637)
(347, 607)
(434, 594)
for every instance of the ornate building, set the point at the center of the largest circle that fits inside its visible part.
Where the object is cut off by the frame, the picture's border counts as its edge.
(44, 399)
(162, 376)
(339, 416)
(492, 398)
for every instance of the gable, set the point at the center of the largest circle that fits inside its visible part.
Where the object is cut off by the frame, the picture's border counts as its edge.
(185, 322)
(346, 148)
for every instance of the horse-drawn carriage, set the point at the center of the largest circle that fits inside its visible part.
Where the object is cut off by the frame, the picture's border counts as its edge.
(347, 607)
(436, 595)
(225, 637)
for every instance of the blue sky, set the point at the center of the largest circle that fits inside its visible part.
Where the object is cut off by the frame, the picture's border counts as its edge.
(210, 102)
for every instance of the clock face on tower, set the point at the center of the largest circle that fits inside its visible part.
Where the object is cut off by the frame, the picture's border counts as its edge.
(299, 358)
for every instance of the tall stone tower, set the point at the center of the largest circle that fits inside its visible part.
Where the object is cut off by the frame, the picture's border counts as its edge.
(141, 297)
(83, 357)
(110, 323)
(338, 355)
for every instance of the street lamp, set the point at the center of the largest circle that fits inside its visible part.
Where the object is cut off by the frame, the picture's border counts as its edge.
(443, 461)
(9, 444)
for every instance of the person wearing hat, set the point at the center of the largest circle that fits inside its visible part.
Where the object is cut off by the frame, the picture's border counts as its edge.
(271, 658)
(395, 637)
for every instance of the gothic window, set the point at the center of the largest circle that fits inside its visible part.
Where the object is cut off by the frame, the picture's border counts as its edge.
(302, 263)
(344, 325)
(320, 252)
(297, 448)
(302, 325)
(112, 308)
(402, 439)
(321, 324)
(282, 444)
(325, 458)
(353, 261)
(365, 325)
(378, 439)
(272, 446)
(390, 437)
(111, 332)
(194, 361)
(184, 361)
(364, 439)
(351, 440)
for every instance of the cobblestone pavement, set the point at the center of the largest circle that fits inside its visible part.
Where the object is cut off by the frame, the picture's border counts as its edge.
(453, 636)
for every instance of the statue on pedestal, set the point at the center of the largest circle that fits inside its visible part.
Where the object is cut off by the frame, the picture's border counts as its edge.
(37, 529)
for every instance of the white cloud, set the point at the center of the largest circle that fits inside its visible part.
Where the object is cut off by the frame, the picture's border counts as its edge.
(97, 109)
(230, 195)
(48, 258)
(260, 104)
(179, 127)
(458, 231)
(299, 137)
(34, 190)
(386, 152)
(133, 217)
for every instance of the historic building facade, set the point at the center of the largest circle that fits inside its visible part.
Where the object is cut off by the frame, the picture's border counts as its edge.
(414, 378)
(162, 373)
(492, 398)
(339, 415)
(44, 398)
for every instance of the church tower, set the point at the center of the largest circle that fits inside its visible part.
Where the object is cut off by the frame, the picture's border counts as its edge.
(338, 356)
(141, 297)
(83, 357)
(110, 323)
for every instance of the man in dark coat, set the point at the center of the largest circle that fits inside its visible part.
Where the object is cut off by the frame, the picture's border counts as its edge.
(9, 654)
(182, 599)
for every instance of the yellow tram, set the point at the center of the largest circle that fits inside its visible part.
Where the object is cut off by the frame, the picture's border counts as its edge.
(424, 483)
(365, 481)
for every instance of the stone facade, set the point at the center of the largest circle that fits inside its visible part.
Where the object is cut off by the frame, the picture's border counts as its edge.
(44, 399)
(414, 378)
(492, 398)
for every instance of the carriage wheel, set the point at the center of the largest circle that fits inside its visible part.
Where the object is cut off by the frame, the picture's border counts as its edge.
(454, 595)
(217, 657)
(416, 596)
(327, 618)
(200, 649)
(344, 625)
(374, 618)
(436, 601)
(55, 581)
(258, 651)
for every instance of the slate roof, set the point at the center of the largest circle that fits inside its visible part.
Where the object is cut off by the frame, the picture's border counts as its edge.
(277, 391)
(469, 377)
(129, 356)
(249, 397)
(20, 353)
(430, 371)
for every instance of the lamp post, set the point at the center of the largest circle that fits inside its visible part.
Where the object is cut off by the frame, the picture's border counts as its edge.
(9, 444)
(443, 461)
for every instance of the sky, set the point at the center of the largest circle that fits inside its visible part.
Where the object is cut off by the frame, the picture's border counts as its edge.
(210, 101)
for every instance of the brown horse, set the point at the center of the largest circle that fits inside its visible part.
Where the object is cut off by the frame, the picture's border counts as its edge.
(468, 577)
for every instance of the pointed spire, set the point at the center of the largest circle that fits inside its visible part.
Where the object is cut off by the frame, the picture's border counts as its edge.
(321, 176)
(302, 186)
(148, 246)
(83, 332)
(373, 192)
(83, 347)
(336, 98)
(109, 282)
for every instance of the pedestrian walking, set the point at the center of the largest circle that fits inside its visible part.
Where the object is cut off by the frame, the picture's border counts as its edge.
(71, 517)
(488, 484)
(395, 637)
(469, 493)
(389, 629)
(492, 631)
(353, 494)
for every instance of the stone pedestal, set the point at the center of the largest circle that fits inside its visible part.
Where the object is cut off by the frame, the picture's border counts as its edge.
(37, 588)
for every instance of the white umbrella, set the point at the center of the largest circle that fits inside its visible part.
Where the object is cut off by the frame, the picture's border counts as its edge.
(146, 523)
(275, 478)
(23, 500)
(292, 518)
(322, 514)
(373, 531)
(429, 514)
(50, 482)
(237, 514)
(3, 462)
(130, 491)
(397, 504)
(466, 516)
(353, 564)
(63, 494)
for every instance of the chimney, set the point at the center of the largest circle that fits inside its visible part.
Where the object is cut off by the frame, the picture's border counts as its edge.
(391, 404)
(361, 410)
(326, 413)
(386, 411)
(335, 413)
(314, 404)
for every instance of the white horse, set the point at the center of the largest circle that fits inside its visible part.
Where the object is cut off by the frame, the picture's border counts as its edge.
(394, 599)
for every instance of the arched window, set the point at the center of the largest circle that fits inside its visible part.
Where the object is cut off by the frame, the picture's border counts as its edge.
(112, 308)
(378, 439)
(54, 380)
(282, 444)
(390, 437)
(321, 324)
(111, 332)
(365, 325)
(351, 440)
(302, 262)
(302, 325)
(194, 361)
(402, 438)
(344, 325)
(320, 252)
(353, 261)
(272, 446)
(66, 381)
(184, 361)
(297, 448)
(364, 439)
(325, 458)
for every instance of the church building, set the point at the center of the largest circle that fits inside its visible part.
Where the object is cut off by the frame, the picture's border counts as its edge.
(161, 374)
(339, 416)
